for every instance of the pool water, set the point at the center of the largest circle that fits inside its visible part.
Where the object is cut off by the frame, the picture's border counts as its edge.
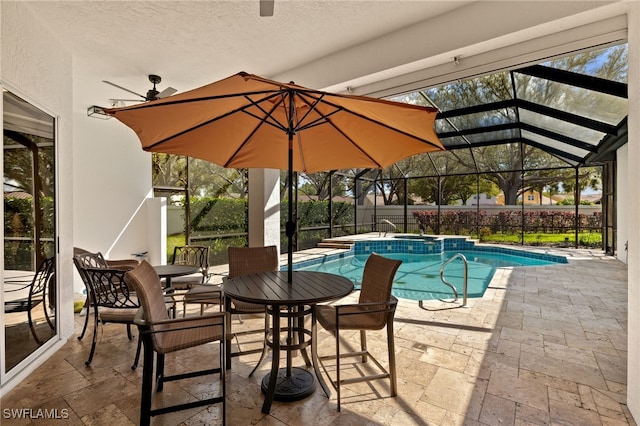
(418, 277)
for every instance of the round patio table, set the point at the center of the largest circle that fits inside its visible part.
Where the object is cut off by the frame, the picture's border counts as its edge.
(271, 289)
(170, 271)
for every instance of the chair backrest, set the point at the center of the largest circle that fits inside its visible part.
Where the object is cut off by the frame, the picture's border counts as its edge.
(193, 255)
(41, 283)
(377, 280)
(144, 279)
(109, 288)
(79, 250)
(249, 260)
(89, 260)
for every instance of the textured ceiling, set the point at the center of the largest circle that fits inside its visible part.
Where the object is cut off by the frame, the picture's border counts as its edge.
(193, 43)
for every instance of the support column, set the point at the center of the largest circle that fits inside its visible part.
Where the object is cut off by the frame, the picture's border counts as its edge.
(633, 206)
(264, 207)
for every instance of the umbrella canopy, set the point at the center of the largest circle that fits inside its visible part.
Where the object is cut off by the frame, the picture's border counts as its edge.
(246, 121)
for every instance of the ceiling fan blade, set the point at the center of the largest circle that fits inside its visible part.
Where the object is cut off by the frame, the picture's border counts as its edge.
(125, 89)
(125, 100)
(266, 7)
(166, 92)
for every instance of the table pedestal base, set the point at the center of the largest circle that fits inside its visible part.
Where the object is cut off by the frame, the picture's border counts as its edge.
(299, 385)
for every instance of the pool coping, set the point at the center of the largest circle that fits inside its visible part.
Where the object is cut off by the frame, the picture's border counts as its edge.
(431, 244)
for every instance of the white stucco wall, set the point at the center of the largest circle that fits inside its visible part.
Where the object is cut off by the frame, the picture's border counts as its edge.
(112, 180)
(37, 68)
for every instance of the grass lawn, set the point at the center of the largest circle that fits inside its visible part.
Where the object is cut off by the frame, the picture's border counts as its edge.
(590, 239)
(172, 241)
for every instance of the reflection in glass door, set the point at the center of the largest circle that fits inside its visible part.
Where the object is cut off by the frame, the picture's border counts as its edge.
(29, 285)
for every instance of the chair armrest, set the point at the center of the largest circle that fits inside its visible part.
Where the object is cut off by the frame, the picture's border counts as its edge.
(366, 308)
(139, 320)
(122, 263)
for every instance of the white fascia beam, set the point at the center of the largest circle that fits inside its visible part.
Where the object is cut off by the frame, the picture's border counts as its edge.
(373, 67)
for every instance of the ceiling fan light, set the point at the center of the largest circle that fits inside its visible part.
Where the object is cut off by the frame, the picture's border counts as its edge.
(96, 111)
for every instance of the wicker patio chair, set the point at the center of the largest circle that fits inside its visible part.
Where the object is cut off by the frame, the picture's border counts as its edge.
(242, 261)
(375, 309)
(162, 335)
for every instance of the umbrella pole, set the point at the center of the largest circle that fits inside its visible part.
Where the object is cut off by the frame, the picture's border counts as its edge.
(291, 226)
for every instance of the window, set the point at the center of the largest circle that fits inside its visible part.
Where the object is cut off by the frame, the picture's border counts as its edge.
(29, 228)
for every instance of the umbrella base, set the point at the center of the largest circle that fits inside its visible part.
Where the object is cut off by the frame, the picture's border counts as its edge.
(299, 385)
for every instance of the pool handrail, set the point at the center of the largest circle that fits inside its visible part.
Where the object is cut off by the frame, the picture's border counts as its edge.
(465, 276)
(387, 222)
(464, 283)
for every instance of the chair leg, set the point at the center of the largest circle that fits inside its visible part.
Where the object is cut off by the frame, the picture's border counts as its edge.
(160, 373)
(147, 384)
(392, 358)
(338, 366)
(129, 335)
(86, 322)
(363, 345)
(227, 346)
(263, 355)
(135, 361)
(227, 349)
(223, 343)
(301, 336)
(87, 305)
(94, 339)
(314, 354)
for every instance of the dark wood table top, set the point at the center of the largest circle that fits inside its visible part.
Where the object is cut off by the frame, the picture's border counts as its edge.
(272, 288)
(169, 271)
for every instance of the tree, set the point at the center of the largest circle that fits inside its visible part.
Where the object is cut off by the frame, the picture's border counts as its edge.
(19, 163)
(205, 179)
(169, 170)
(317, 184)
(505, 162)
(588, 177)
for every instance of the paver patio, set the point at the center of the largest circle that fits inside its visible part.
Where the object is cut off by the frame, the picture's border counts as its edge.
(545, 345)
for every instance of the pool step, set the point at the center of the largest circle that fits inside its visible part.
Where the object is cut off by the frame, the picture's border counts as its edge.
(336, 244)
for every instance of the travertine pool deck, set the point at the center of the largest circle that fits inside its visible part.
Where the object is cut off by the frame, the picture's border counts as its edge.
(546, 345)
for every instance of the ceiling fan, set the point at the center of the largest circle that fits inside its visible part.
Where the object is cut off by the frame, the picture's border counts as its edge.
(152, 94)
(266, 7)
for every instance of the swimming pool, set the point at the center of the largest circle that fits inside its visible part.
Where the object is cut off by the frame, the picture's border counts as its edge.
(418, 277)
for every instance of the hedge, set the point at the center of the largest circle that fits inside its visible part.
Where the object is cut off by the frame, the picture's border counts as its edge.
(508, 221)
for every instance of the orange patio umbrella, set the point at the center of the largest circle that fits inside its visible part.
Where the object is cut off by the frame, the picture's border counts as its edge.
(247, 121)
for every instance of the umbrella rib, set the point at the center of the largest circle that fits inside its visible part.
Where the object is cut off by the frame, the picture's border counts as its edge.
(341, 108)
(312, 108)
(170, 102)
(268, 115)
(340, 131)
(205, 123)
(262, 120)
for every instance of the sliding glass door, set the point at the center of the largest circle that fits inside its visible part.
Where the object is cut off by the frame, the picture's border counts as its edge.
(29, 286)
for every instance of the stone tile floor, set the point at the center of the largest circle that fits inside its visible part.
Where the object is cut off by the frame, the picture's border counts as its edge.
(544, 346)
